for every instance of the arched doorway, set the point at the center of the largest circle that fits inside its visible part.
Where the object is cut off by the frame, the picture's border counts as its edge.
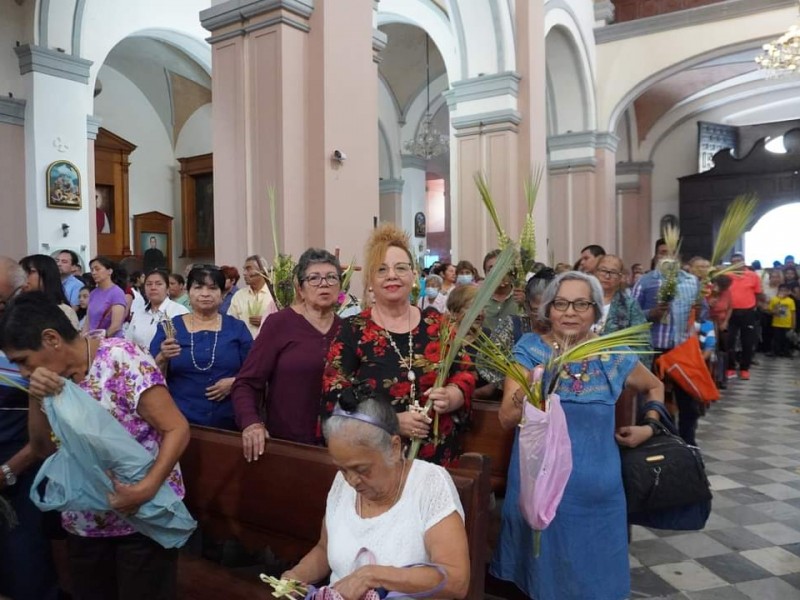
(774, 236)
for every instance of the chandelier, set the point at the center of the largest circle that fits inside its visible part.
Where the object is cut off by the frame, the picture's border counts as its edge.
(428, 142)
(782, 56)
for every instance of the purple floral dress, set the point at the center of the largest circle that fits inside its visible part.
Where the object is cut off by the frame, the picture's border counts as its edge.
(120, 373)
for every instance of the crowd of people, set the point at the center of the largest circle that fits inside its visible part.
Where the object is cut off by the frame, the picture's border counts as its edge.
(163, 350)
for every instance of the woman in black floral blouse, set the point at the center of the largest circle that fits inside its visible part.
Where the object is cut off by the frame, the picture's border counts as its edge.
(394, 348)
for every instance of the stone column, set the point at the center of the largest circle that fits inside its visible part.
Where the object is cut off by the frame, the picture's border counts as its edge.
(486, 121)
(292, 85)
(415, 173)
(606, 210)
(12, 177)
(634, 194)
(391, 200)
(58, 100)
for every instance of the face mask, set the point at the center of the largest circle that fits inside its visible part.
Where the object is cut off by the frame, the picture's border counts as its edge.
(431, 293)
(464, 279)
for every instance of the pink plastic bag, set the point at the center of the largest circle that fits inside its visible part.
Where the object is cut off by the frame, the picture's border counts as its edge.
(545, 462)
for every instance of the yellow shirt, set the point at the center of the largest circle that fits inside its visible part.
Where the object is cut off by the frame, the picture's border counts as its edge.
(246, 303)
(782, 309)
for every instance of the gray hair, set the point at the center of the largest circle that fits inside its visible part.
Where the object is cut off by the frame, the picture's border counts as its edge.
(14, 273)
(434, 280)
(365, 434)
(551, 292)
(315, 256)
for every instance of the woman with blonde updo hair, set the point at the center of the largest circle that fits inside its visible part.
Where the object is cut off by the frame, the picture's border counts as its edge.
(394, 348)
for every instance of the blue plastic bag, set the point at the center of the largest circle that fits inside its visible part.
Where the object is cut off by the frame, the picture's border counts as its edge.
(93, 442)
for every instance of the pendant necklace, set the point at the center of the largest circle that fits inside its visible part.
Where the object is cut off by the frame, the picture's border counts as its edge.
(213, 347)
(406, 362)
(578, 379)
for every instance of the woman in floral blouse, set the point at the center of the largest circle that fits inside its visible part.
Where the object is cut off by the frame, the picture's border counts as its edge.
(107, 558)
(394, 348)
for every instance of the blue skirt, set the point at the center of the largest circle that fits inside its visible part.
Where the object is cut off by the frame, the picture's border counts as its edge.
(584, 551)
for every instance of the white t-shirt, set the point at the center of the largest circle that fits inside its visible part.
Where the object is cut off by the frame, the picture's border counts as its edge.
(396, 537)
(144, 323)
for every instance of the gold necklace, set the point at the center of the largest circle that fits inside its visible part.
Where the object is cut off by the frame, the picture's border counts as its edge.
(406, 363)
(396, 496)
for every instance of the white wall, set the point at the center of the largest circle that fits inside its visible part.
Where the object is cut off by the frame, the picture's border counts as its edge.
(126, 112)
(195, 135)
(16, 25)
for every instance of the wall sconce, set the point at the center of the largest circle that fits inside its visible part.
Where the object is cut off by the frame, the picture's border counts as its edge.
(65, 229)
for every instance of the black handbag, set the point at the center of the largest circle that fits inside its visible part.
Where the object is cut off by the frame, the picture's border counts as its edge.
(663, 473)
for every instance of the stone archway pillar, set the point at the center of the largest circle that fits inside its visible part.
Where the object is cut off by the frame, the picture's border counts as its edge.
(292, 85)
(634, 197)
(415, 170)
(58, 101)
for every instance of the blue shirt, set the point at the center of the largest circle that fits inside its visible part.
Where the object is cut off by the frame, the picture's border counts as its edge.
(13, 411)
(188, 384)
(674, 329)
(72, 289)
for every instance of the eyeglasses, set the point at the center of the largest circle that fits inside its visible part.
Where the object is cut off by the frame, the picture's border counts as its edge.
(400, 269)
(580, 306)
(316, 280)
(607, 273)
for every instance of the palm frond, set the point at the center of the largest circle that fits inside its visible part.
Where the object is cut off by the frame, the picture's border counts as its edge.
(532, 185)
(672, 239)
(348, 275)
(637, 336)
(505, 260)
(488, 202)
(9, 382)
(735, 222)
(272, 194)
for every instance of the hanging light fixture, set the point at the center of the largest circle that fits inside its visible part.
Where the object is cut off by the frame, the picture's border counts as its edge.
(781, 57)
(428, 142)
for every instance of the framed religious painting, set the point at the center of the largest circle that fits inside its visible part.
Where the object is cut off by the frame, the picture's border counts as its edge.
(420, 226)
(63, 185)
(197, 206)
(152, 233)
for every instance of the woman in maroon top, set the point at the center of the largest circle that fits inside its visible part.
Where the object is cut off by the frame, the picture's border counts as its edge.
(287, 360)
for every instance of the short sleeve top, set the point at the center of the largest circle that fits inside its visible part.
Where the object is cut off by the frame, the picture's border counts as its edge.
(120, 373)
(428, 497)
(606, 373)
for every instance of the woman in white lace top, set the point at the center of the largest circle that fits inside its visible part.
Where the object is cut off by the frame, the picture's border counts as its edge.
(402, 513)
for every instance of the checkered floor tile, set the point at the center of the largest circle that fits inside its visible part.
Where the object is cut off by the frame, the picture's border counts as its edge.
(750, 547)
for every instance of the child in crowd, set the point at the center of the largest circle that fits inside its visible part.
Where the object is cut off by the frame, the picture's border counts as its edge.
(83, 305)
(784, 317)
(719, 304)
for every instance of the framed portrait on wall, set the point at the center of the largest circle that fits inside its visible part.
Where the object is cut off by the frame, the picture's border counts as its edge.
(63, 185)
(420, 226)
(104, 208)
(152, 233)
(197, 206)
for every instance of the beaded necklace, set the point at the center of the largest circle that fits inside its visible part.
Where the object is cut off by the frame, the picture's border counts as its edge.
(579, 378)
(213, 347)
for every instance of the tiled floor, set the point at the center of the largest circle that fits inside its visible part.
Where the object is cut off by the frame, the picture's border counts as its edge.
(750, 547)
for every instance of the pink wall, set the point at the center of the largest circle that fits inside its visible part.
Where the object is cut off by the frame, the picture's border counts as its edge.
(13, 232)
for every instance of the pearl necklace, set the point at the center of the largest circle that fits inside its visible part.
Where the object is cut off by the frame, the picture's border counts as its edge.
(213, 348)
(406, 363)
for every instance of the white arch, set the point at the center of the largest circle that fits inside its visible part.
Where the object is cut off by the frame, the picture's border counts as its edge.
(105, 23)
(431, 19)
(567, 57)
(417, 108)
(486, 33)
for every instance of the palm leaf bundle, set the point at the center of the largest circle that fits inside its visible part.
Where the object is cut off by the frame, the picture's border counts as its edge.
(281, 275)
(344, 293)
(285, 588)
(527, 238)
(670, 265)
(486, 196)
(453, 345)
(735, 222)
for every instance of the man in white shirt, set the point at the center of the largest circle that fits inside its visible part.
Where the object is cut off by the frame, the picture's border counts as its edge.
(254, 302)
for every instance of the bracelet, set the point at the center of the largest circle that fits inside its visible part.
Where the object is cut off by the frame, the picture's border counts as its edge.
(654, 425)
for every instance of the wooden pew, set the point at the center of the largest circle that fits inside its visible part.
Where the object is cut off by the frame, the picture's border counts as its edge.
(486, 437)
(279, 502)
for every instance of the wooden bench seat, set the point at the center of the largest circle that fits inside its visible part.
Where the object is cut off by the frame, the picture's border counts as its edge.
(487, 437)
(278, 502)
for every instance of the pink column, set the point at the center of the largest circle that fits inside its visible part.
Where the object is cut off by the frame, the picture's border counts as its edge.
(12, 178)
(634, 192)
(291, 84)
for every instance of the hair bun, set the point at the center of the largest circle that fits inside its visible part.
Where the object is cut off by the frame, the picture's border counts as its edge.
(358, 391)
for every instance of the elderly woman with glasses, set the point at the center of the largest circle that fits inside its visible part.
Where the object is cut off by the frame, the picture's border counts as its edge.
(288, 358)
(394, 347)
(202, 351)
(584, 551)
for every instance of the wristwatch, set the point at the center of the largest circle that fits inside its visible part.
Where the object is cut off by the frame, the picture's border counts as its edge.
(8, 474)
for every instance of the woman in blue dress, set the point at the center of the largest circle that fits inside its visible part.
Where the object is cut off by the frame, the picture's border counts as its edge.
(203, 352)
(584, 551)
